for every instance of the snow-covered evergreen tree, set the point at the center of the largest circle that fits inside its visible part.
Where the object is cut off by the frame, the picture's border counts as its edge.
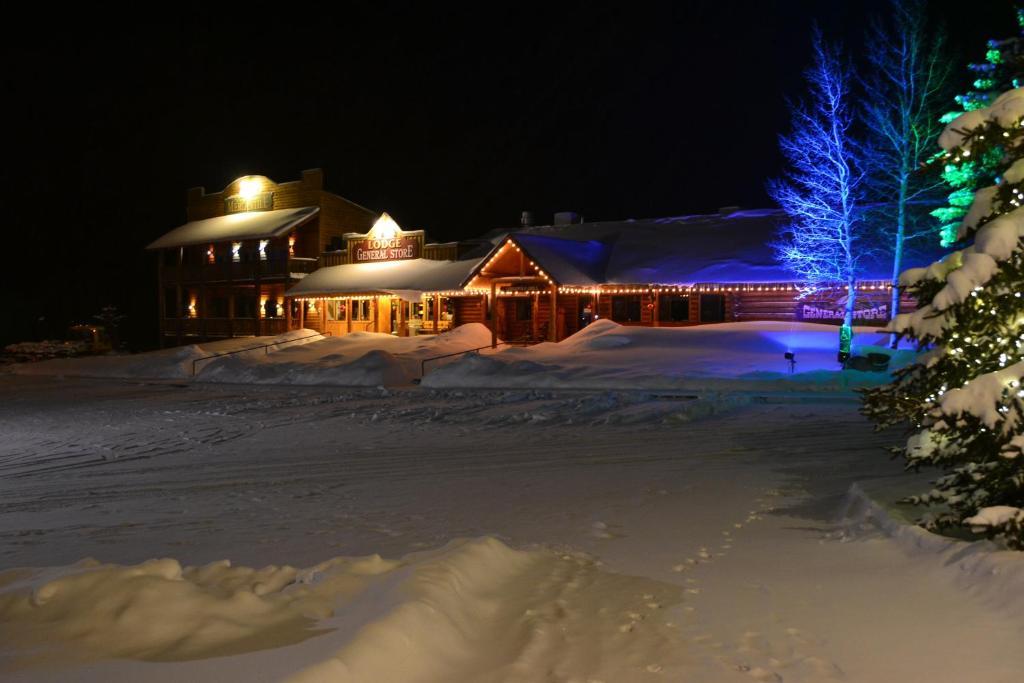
(822, 192)
(964, 396)
(1002, 70)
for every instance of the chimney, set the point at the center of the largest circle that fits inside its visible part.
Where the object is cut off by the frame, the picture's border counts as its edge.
(313, 178)
(567, 218)
(526, 219)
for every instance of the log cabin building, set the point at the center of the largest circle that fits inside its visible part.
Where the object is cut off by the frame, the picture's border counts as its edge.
(261, 258)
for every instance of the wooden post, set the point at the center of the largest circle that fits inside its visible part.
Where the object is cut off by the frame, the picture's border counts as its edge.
(302, 314)
(287, 314)
(231, 311)
(348, 314)
(657, 308)
(402, 331)
(323, 315)
(553, 325)
(259, 311)
(534, 315)
(437, 314)
(492, 314)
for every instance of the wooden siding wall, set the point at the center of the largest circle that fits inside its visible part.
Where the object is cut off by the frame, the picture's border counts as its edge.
(782, 305)
(469, 309)
(441, 252)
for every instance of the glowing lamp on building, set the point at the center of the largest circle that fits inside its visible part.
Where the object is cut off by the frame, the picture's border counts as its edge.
(385, 228)
(236, 247)
(263, 249)
(249, 187)
(291, 245)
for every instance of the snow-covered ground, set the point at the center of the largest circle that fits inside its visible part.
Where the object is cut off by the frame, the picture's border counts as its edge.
(422, 534)
(604, 355)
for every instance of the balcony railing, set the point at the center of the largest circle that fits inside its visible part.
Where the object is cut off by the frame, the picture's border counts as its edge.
(221, 272)
(224, 327)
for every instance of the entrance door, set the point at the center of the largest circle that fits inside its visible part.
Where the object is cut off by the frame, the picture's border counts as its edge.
(586, 311)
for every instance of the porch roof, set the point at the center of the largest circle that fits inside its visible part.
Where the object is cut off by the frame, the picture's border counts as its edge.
(407, 279)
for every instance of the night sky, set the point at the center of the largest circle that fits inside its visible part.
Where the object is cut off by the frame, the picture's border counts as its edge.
(450, 120)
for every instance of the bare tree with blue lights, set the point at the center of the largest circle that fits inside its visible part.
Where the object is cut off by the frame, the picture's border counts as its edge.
(904, 96)
(823, 190)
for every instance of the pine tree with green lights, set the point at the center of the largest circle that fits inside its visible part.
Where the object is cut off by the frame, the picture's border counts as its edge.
(1002, 70)
(963, 397)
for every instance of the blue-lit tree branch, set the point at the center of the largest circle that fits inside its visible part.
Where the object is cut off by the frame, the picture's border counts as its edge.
(822, 191)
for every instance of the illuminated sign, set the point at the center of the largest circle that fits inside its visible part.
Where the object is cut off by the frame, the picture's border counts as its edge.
(825, 311)
(385, 242)
(263, 201)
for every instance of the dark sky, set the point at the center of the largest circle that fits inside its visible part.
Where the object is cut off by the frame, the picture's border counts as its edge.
(452, 120)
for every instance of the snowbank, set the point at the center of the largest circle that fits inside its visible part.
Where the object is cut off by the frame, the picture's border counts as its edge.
(357, 359)
(175, 363)
(606, 355)
(470, 608)
(981, 568)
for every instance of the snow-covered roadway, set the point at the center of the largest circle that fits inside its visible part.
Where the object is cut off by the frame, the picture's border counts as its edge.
(612, 537)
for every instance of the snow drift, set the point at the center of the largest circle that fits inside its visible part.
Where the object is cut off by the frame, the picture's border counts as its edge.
(473, 610)
(606, 355)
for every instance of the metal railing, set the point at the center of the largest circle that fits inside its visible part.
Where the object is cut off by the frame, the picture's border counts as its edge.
(523, 341)
(265, 347)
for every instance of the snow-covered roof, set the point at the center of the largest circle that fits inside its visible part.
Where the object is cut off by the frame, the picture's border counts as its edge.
(723, 248)
(406, 278)
(567, 261)
(248, 225)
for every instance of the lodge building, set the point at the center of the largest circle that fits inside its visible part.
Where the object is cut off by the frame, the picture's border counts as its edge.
(260, 258)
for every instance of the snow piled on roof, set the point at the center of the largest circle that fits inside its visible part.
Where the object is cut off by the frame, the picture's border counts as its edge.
(568, 261)
(407, 277)
(249, 225)
(676, 250)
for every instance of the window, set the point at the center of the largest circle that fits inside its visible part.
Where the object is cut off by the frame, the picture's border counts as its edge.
(673, 308)
(245, 306)
(524, 309)
(216, 305)
(361, 309)
(271, 309)
(336, 310)
(712, 308)
(171, 303)
(626, 309)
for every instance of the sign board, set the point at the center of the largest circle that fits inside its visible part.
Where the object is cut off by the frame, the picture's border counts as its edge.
(236, 203)
(398, 248)
(833, 311)
(385, 242)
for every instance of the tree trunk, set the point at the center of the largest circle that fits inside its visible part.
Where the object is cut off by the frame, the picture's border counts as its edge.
(897, 255)
(846, 331)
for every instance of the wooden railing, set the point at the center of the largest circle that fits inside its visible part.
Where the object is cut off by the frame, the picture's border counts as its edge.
(221, 272)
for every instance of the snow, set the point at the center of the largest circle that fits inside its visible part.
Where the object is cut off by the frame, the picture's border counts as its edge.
(484, 536)
(1007, 111)
(248, 225)
(983, 395)
(728, 355)
(173, 363)
(996, 515)
(408, 278)
(733, 248)
(604, 355)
